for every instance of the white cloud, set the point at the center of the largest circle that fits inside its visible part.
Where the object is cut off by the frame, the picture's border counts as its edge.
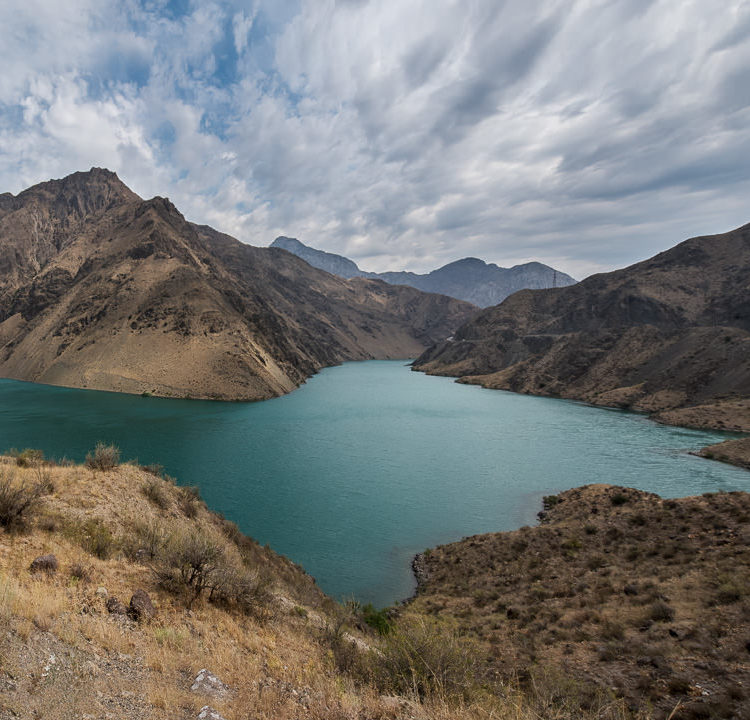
(583, 134)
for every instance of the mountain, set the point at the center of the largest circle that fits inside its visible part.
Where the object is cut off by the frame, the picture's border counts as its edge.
(102, 289)
(670, 335)
(334, 264)
(470, 279)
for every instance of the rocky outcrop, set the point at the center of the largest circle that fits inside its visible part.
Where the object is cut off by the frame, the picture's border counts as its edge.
(101, 289)
(141, 608)
(470, 279)
(206, 683)
(670, 335)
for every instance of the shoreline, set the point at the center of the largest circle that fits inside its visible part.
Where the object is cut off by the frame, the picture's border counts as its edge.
(733, 451)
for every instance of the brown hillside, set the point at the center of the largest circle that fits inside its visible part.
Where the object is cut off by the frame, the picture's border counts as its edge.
(670, 335)
(647, 599)
(101, 289)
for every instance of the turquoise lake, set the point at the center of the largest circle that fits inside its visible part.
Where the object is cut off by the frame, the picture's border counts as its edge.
(368, 463)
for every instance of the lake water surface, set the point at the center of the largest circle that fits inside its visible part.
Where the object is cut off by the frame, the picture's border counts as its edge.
(369, 463)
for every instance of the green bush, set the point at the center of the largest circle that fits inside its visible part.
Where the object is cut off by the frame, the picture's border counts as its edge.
(376, 619)
(103, 457)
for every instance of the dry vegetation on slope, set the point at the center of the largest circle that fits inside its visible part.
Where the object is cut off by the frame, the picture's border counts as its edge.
(648, 599)
(70, 645)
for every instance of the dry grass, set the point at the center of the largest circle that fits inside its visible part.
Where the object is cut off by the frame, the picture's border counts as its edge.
(643, 598)
(303, 656)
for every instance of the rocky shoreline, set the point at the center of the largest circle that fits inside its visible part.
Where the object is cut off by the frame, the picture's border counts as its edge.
(708, 417)
(734, 452)
(420, 570)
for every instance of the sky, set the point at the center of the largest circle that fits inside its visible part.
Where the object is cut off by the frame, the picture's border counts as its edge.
(404, 134)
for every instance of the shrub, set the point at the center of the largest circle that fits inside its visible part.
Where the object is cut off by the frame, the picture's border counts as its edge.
(245, 590)
(191, 562)
(154, 491)
(18, 500)
(618, 499)
(154, 469)
(376, 619)
(194, 563)
(661, 612)
(28, 457)
(190, 499)
(78, 571)
(595, 562)
(146, 541)
(421, 657)
(612, 630)
(103, 457)
(730, 591)
(97, 539)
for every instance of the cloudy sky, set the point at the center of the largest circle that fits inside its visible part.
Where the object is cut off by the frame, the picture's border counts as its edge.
(402, 133)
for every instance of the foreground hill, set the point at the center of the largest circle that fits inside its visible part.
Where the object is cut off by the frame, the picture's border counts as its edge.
(470, 279)
(118, 590)
(670, 335)
(647, 599)
(101, 289)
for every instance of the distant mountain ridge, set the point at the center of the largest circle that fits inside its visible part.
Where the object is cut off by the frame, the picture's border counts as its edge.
(101, 289)
(669, 335)
(470, 279)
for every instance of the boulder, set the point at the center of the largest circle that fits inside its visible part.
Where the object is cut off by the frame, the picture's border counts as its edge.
(44, 563)
(208, 684)
(115, 607)
(141, 607)
(208, 713)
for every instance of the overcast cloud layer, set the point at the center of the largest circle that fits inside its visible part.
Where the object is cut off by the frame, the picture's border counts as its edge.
(587, 134)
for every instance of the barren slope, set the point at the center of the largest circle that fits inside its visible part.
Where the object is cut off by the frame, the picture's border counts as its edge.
(648, 599)
(669, 335)
(103, 290)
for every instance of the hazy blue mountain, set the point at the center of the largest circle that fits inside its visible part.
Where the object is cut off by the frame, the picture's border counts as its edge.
(483, 284)
(335, 264)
